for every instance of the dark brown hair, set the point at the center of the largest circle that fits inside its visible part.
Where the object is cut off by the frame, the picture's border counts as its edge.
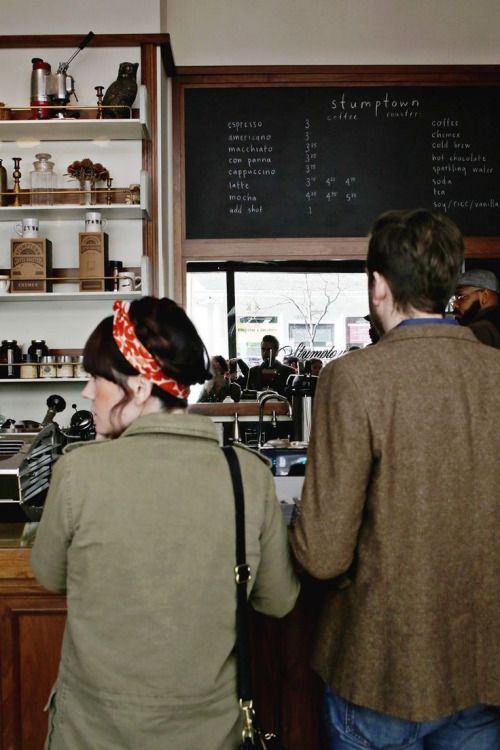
(271, 340)
(420, 254)
(221, 361)
(166, 332)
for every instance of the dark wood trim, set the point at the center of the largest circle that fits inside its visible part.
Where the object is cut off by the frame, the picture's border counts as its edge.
(179, 233)
(242, 408)
(323, 248)
(276, 249)
(150, 160)
(44, 41)
(352, 75)
(292, 75)
(73, 40)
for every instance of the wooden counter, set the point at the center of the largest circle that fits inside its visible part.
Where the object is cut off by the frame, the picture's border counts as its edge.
(31, 629)
(287, 693)
(241, 408)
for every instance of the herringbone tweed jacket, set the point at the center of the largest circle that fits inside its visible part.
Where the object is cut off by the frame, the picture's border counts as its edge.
(402, 490)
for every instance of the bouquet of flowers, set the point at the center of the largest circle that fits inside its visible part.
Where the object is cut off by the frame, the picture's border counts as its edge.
(87, 173)
(86, 170)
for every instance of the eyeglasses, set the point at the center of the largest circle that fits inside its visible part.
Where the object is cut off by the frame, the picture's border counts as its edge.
(459, 298)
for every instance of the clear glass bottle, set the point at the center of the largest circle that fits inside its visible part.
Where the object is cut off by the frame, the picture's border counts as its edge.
(43, 181)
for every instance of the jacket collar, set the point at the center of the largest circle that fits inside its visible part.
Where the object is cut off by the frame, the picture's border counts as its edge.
(189, 425)
(429, 331)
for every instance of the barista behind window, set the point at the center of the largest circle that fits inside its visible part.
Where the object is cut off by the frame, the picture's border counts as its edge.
(270, 373)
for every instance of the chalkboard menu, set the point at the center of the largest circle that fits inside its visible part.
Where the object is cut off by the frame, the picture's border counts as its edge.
(324, 161)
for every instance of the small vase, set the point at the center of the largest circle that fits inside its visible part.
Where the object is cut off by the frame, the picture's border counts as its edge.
(87, 191)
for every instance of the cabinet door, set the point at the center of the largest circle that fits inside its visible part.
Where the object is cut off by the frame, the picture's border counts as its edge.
(31, 630)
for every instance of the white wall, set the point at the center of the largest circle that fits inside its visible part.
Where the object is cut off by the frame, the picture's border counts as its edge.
(63, 17)
(281, 32)
(332, 32)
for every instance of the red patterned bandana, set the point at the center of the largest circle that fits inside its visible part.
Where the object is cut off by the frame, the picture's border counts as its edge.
(138, 356)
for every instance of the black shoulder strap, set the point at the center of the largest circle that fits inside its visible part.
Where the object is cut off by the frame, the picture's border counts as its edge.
(242, 576)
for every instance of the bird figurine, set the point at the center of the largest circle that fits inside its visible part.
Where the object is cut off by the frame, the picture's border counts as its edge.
(121, 92)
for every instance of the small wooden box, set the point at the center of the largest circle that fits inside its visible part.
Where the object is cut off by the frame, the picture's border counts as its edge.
(30, 265)
(93, 261)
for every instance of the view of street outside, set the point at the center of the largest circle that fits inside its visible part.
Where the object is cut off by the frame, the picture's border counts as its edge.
(320, 312)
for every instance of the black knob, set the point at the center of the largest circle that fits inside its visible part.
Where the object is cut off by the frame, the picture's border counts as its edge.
(56, 403)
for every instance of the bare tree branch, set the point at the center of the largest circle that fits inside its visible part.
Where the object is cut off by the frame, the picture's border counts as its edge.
(305, 306)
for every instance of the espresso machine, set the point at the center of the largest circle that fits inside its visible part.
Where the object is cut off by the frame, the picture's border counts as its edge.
(49, 89)
(28, 450)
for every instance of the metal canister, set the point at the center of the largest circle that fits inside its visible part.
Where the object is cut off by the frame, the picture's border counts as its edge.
(40, 88)
(64, 366)
(29, 368)
(48, 367)
(80, 371)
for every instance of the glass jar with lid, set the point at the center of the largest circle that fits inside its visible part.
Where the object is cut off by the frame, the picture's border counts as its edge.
(10, 359)
(43, 181)
(38, 349)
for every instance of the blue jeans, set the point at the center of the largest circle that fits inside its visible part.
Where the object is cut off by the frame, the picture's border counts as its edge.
(352, 727)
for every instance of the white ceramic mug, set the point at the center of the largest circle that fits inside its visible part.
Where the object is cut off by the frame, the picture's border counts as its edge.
(4, 284)
(94, 222)
(128, 281)
(28, 228)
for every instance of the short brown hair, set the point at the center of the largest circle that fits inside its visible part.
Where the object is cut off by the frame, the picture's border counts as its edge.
(420, 254)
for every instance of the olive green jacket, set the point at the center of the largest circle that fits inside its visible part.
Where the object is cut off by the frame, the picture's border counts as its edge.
(139, 531)
(402, 493)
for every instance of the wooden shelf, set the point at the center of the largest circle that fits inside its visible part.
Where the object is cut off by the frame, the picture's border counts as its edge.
(68, 211)
(81, 129)
(67, 296)
(43, 380)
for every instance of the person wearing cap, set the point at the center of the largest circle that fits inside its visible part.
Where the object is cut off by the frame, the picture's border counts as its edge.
(477, 305)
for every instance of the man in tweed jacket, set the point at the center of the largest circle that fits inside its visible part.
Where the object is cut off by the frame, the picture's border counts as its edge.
(401, 510)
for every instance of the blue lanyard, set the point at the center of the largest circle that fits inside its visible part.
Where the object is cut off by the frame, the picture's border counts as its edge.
(427, 321)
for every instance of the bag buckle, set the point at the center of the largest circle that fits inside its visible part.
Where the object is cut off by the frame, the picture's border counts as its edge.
(242, 573)
(247, 708)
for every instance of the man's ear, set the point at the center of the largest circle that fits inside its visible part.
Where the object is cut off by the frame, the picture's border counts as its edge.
(486, 298)
(379, 288)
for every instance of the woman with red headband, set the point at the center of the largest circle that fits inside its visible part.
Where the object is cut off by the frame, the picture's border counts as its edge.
(138, 530)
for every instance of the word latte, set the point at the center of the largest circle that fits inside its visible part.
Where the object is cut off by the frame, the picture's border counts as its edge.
(249, 160)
